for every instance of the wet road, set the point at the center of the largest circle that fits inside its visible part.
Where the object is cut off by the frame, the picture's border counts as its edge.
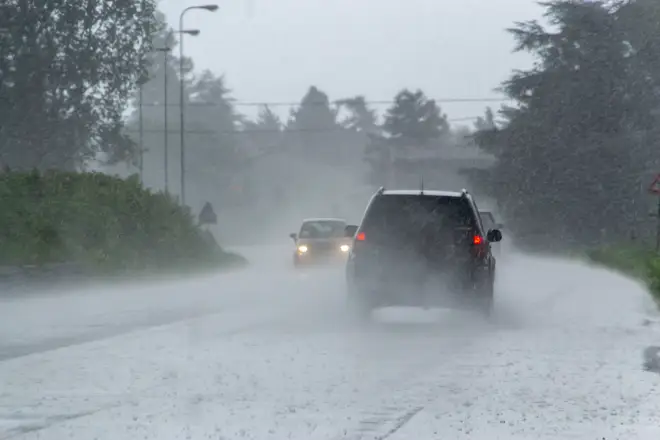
(268, 353)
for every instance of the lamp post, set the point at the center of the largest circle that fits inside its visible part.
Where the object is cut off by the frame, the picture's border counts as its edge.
(141, 128)
(165, 51)
(6, 15)
(210, 8)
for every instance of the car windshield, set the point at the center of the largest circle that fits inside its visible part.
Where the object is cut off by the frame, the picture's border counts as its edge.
(322, 229)
(394, 218)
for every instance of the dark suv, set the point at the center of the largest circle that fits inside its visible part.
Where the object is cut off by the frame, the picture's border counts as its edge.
(423, 249)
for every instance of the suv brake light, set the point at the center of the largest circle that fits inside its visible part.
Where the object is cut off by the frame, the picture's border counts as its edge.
(361, 236)
(480, 247)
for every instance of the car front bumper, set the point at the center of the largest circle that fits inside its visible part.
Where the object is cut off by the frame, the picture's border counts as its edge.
(311, 257)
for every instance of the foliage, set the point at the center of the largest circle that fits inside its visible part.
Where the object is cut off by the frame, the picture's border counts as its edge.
(66, 72)
(265, 134)
(414, 119)
(152, 86)
(95, 219)
(314, 112)
(486, 122)
(574, 150)
(215, 158)
(267, 121)
(361, 118)
(313, 129)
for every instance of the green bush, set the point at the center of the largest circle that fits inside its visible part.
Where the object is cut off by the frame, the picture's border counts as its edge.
(641, 263)
(98, 220)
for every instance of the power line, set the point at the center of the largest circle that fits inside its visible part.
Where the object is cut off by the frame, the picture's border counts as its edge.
(336, 102)
(249, 131)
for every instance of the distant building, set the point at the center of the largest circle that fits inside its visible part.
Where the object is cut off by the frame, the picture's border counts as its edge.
(439, 166)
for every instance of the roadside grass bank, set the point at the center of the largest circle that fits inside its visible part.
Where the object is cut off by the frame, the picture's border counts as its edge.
(91, 225)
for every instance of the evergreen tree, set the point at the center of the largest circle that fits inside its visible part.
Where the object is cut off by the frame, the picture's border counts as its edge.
(361, 118)
(414, 119)
(313, 129)
(486, 122)
(572, 153)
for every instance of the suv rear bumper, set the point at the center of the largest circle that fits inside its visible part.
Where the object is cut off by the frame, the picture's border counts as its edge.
(420, 296)
(459, 288)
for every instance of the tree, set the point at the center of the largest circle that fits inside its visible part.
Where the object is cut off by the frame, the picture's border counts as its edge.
(313, 128)
(572, 152)
(362, 123)
(361, 118)
(413, 122)
(214, 159)
(314, 112)
(264, 135)
(414, 119)
(68, 69)
(487, 122)
(268, 121)
(153, 114)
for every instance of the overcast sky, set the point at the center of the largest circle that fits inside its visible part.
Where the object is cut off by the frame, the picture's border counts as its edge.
(273, 50)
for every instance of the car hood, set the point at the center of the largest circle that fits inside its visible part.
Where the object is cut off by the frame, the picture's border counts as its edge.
(312, 241)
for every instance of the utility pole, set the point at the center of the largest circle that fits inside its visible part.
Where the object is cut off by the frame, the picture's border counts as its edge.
(657, 233)
(142, 80)
(166, 164)
(654, 189)
(141, 130)
(182, 109)
(6, 18)
(182, 104)
(166, 134)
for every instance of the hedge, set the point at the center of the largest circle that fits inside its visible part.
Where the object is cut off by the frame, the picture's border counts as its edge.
(104, 222)
(639, 262)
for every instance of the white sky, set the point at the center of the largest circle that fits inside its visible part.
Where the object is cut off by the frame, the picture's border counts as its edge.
(273, 50)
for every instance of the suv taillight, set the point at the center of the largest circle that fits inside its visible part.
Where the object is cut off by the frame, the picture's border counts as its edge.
(480, 247)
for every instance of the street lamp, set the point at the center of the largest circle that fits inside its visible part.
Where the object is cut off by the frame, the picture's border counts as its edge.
(165, 51)
(210, 8)
(141, 127)
(5, 18)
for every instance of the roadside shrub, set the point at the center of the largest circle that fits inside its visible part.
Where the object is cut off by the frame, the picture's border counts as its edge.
(96, 219)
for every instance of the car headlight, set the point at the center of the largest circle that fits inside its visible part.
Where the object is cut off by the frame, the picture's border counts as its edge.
(344, 248)
(302, 249)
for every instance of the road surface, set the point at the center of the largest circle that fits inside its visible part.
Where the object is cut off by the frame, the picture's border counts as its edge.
(267, 353)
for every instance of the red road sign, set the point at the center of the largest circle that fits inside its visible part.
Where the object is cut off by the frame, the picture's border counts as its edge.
(654, 188)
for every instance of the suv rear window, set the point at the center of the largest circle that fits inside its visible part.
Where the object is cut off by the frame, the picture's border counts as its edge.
(405, 217)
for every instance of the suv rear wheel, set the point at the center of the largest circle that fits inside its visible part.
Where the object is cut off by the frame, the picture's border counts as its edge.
(485, 298)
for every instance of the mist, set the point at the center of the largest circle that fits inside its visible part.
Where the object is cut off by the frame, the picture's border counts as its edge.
(122, 317)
